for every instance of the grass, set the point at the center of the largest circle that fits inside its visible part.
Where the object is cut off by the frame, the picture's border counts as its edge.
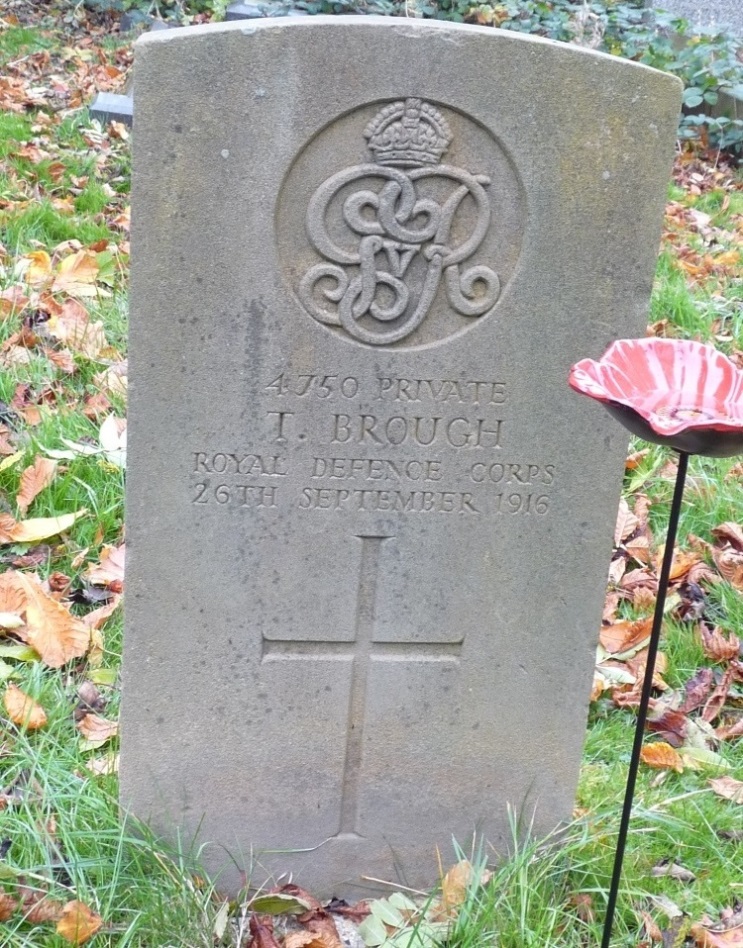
(61, 832)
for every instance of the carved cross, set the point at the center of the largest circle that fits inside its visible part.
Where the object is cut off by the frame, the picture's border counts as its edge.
(362, 651)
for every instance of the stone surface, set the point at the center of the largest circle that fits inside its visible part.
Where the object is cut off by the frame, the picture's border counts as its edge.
(252, 11)
(368, 522)
(109, 107)
(711, 13)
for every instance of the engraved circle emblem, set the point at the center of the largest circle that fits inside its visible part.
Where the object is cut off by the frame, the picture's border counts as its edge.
(411, 244)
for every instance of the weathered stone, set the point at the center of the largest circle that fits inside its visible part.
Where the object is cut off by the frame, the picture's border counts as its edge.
(712, 14)
(252, 11)
(368, 522)
(109, 107)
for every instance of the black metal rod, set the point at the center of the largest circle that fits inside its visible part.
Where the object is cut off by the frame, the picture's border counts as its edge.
(642, 711)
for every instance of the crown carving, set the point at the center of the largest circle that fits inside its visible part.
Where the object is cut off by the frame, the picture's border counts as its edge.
(408, 134)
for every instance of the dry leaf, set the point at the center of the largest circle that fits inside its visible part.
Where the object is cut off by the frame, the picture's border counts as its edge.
(77, 274)
(704, 938)
(78, 923)
(670, 724)
(626, 523)
(95, 619)
(97, 730)
(716, 646)
(651, 928)
(32, 531)
(454, 886)
(624, 637)
(49, 627)
(105, 766)
(109, 571)
(729, 788)
(730, 564)
(38, 908)
(72, 327)
(697, 690)
(728, 731)
(673, 870)
(730, 533)
(22, 709)
(662, 756)
(261, 933)
(33, 480)
(719, 696)
(8, 905)
(39, 269)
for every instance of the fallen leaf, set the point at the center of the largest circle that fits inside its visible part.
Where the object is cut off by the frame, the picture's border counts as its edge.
(671, 724)
(731, 533)
(661, 756)
(105, 766)
(109, 571)
(33, 480)
(78, 923)
(8, 905)
(95, 619)
(719, 696)
(77, 274)
(651, 928)
(39, 268)
(96, 730)
(22, 709)
(625, 637)
(38, 908)
(261, 934)
(727, 732)
(729, 788)
(697, 690)
(704, 938)
(50, 629)
(716, 646)
(730, 564)
(626, 523)
(673, 870)
(278, 903)
(31, 531)
(454, 886)
(73, 327)
(112, 436)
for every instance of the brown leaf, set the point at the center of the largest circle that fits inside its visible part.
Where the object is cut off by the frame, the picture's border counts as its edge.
(729, 533)
(729, 788)
(624, 636)
(704, 938)
(626, 523)
(72, 327)
(38, 908)
(716, 646)
(8, 905)
(50, 629)
(671, 725)
(730, 564)
(673, 870)
(22, 709)
(95, 619)
(76, 274)
(697, 690)
(651, 928)
(33, 480)
(78, 923)
(97, 730)
(110, 570)
(356, 912)
(681, 564)
(454, 886)
(261, 933)
(719, 696)
(89, 699)
(728, 731)
(661, 756)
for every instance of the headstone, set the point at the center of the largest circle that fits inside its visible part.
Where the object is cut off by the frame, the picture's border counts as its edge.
(112, 107)
(368, 522)
(711, 14)
(252, 11)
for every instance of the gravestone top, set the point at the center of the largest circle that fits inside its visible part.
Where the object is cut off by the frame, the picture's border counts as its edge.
(367, 520)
